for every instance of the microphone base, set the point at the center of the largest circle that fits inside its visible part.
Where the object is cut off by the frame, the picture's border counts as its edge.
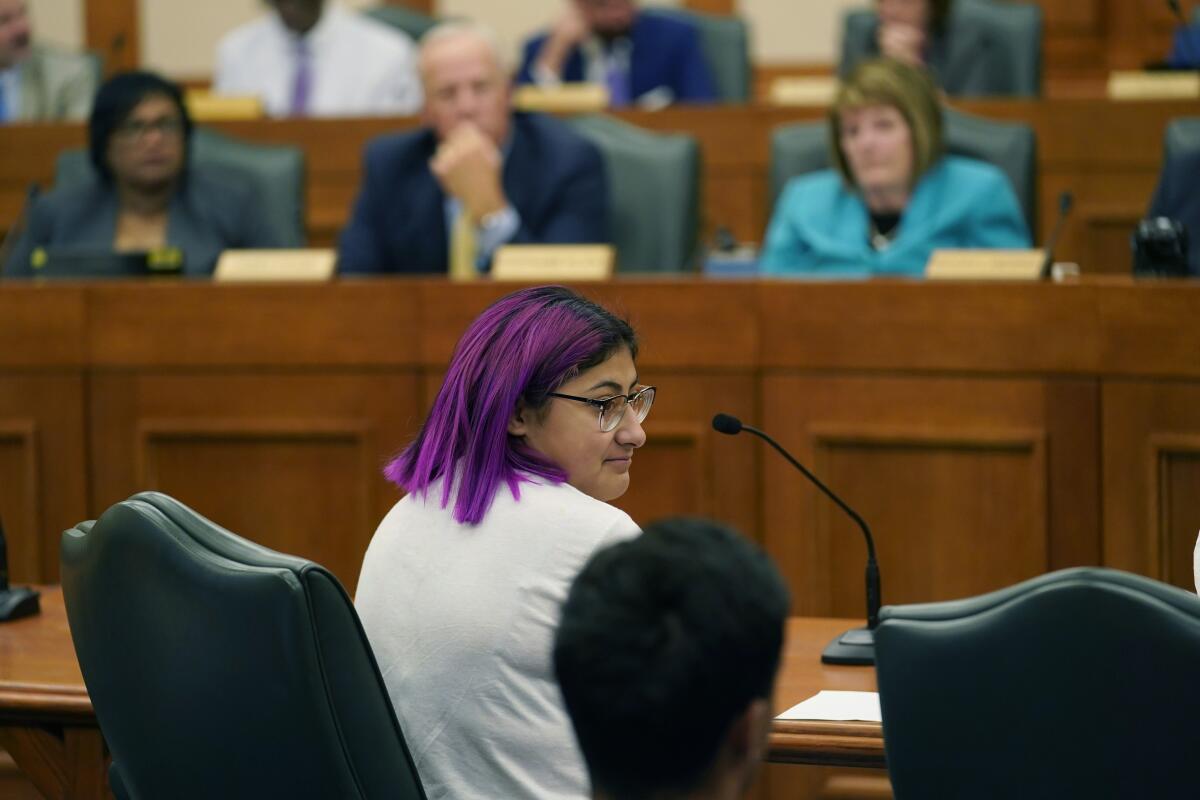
(17, 603)
(855, 648)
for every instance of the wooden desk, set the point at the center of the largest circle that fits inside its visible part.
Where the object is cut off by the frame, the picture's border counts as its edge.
(1107, 153)
(46, 719)
(48, 726)
(989, 433)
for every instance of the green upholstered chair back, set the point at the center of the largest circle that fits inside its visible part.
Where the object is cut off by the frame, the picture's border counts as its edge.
(414, 23)
(1079, 683)
(654, 193)
(1182, 139)
(1011, 146)
(726, 44)
(1010, 63)
(276, 171)
(219, 668)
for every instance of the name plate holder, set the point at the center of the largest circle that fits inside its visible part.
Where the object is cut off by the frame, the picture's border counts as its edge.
(985, 265)
(272, 266)
(543, 262)
(565, 98)
(1182, 85)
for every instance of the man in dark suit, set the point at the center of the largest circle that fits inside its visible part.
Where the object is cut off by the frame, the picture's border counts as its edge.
(444, 197)
(643, 58)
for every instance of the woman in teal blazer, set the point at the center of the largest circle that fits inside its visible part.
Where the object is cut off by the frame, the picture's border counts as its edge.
(894, 198)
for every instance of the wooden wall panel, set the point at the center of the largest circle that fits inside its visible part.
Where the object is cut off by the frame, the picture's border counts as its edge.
(112, 30)
(42, 467)
(960, 471)
(289, 460)
(1151, 445)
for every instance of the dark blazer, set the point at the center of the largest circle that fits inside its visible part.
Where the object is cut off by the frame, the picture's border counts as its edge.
(213, 210)
(1178, 197)
(666, 53)
(554, 179)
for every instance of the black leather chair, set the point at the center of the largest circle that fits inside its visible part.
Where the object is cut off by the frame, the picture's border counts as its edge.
(219, 668)
(1079, 683)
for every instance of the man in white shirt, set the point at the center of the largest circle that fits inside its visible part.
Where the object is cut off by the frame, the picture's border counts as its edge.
(315, 58)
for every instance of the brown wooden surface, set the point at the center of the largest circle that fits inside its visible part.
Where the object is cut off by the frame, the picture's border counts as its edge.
(1107, 153)
(987, 432)
(113, 29)
(48, 726)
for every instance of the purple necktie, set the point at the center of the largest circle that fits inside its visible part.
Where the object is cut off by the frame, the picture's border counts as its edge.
(302, 83)
(617, 80)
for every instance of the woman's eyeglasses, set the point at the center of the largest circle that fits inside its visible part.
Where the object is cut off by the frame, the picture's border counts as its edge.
(612, 409)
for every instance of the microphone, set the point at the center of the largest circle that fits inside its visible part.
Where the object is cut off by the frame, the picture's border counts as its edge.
(14, 603)
(856, 646)
(1065, 201)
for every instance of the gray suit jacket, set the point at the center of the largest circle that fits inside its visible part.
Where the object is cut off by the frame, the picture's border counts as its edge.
(213, 211)
(57, 84)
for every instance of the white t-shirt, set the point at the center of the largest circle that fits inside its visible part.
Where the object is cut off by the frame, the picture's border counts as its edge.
(359, 67)
(462, 620)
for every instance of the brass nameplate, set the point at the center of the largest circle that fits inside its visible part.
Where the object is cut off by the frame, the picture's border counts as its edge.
(1153, 85)
(551, 262)
(204, 106)
(566, 98)
(803, 90)
(985, 265)
(276, 265)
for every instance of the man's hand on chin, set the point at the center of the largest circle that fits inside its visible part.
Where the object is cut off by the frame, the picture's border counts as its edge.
(467, 164)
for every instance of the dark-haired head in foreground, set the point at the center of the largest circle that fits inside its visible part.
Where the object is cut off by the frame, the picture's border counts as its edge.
(666, 655)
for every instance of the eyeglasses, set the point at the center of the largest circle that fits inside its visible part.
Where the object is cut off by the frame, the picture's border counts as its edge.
(612, 409)
(135, 130)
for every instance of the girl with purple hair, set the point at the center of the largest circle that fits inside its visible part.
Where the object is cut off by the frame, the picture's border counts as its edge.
(531, 434)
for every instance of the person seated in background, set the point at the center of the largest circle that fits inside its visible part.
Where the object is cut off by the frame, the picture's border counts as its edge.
(641, 58)
(1185, 48)
(666, 654)
(964, 44)
(894, 197)
(531, 436)
(313, 58)
(143, 195)
(37, 81)
(475, 177)
(1177, 196)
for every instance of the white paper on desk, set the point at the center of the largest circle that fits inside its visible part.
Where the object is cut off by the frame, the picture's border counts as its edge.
(838, 706)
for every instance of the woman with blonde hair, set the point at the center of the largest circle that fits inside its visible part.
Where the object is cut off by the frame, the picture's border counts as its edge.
(893, 196)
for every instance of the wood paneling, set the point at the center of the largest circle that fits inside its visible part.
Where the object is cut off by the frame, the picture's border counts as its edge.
(291, 461)
(913, 457)
(1152, 478)
(113, 31)
(42, 466)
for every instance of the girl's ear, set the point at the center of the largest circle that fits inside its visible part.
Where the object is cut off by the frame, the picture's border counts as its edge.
(516, 423)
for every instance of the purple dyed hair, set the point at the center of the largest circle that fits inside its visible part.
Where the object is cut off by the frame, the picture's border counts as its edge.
(519, 349)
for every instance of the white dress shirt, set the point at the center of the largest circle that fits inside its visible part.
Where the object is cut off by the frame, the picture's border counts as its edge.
(360, 67)
(462, 618)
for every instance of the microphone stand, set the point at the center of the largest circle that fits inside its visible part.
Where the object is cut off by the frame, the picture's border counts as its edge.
(855, 647)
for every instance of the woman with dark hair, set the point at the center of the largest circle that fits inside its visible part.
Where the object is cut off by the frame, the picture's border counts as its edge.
(894, 196)
(531, 434)
(144, 196)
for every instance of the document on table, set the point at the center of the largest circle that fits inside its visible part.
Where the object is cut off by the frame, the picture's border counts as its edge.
(838, 706)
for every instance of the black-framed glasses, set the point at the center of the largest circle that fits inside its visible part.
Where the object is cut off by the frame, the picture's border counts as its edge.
(134, 130)
(612, 409)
